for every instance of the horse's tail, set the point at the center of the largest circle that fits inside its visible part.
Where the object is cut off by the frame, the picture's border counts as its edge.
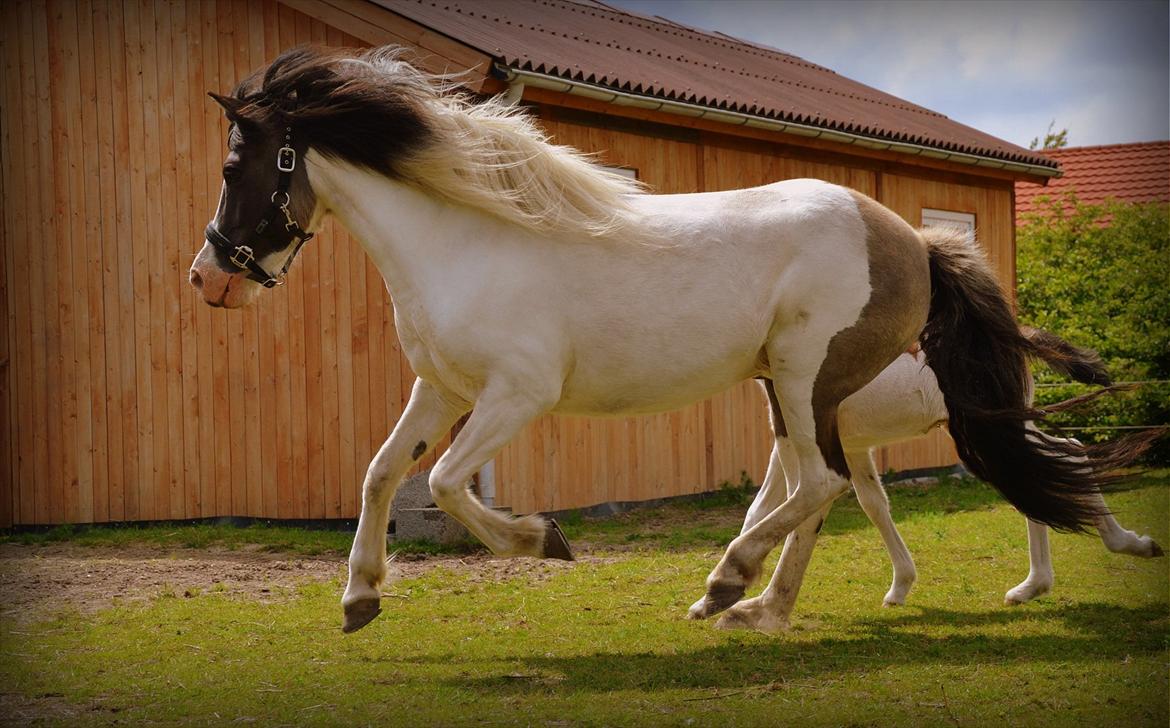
(1081, 365)
(979, 355)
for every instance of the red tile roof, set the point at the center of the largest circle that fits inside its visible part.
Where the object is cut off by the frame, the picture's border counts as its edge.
(1124, 172)
(591, 43)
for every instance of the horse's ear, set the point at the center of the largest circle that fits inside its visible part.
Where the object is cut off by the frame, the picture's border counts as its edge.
(230, 104)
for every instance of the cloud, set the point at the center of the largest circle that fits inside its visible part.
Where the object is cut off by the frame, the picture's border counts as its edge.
(1008, 68)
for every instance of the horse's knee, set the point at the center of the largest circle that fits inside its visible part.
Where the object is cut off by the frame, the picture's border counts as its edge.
(378, 482)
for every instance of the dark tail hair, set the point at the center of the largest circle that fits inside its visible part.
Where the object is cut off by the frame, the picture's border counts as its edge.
(1081, 365)
(979, 355)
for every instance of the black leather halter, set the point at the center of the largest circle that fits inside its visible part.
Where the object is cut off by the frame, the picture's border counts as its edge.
(242, 256)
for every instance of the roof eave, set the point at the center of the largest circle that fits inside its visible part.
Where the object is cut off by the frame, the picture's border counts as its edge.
(621, 98)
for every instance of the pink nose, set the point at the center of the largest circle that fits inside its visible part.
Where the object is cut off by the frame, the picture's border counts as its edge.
(196, 279)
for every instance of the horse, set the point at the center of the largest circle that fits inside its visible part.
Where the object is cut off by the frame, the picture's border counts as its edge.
(528, 280)
(902, 403)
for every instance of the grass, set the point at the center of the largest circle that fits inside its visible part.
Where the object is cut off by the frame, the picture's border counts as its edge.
(604, 642)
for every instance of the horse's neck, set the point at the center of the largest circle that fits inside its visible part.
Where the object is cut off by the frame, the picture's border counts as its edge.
(409, 235)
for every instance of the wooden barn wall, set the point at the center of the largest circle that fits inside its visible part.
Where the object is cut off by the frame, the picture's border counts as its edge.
(123, 397)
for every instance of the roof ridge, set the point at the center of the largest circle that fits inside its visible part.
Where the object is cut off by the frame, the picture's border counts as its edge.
(673, 26)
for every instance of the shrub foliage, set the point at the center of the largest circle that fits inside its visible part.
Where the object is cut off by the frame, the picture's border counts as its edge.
(1099, 275)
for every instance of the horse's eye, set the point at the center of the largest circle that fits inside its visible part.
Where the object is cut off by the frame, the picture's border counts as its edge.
(231, 174)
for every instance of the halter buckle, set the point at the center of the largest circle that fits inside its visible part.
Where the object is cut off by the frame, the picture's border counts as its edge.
(248, 257)
(286, 159)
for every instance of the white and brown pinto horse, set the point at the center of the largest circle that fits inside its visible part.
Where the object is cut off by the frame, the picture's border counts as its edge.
(902, 403)
(527, 280)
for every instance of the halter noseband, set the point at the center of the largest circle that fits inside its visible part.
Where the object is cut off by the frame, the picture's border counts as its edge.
(242, 256)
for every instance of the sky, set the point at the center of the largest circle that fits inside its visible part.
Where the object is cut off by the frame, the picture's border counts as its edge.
(1006, 67)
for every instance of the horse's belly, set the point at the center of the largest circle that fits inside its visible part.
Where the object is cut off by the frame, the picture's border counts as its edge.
(902, 402)
(604, 392)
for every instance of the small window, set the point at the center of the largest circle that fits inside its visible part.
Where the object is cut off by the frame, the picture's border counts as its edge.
(623, 171)
(945, 218)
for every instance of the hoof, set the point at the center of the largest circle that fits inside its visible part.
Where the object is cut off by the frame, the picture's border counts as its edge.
(720, 596)
(556, 546)
(1156, 550)
(752, 614)
(359, 614)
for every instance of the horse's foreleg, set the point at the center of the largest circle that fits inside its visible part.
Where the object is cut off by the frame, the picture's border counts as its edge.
(427, 418)
(498, 416)
(872, 497)
(1040, 574)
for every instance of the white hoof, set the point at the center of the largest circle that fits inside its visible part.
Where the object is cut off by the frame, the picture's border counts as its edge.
(896, 596)
(1026, 592)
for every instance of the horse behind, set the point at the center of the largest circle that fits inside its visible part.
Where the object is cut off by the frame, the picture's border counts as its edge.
(527, 280)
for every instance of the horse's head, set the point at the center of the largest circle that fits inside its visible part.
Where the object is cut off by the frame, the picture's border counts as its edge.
(263, 204)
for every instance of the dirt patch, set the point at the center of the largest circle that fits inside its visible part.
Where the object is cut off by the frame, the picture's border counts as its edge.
(36, 581)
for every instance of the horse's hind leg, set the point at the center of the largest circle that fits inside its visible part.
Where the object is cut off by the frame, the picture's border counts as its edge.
(1121, 540)
(818, 486)
(428, 417)
(872, 497)
(1041, 575)
(783, 468)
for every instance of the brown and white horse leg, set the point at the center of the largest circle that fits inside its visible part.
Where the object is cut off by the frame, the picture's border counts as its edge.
(872, 497)
(498, 416)
(772, 610)
(783, 470)
(429, 415)
(817, 488)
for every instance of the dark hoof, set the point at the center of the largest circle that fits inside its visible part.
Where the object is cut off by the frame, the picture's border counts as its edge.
(556, 546)
(359, 614)
(719, 596)
(1156, 550)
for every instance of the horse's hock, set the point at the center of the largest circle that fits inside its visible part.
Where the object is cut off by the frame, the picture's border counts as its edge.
(414, 517)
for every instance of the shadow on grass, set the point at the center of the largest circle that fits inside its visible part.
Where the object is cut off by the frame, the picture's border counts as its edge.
(1099, 633)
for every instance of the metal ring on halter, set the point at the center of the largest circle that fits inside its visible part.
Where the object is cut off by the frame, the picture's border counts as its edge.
(286, 198)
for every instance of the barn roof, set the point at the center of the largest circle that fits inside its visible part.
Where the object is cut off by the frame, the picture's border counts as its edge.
(596, 48)
(1124, 172)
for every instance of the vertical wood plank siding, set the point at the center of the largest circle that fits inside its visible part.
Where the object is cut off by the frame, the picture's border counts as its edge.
(123, 397)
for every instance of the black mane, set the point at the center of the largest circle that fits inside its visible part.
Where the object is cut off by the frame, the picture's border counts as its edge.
(337, 103)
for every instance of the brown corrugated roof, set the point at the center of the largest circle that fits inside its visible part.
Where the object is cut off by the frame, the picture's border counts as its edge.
(1124, 172)
(591, 43)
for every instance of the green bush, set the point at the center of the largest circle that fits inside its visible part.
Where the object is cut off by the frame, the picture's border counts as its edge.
(1099, 276)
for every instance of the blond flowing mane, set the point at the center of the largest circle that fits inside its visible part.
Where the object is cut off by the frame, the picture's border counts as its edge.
(374, 109)
(493, 157)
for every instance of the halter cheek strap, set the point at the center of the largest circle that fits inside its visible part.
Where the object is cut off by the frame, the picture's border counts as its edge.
(243, 256)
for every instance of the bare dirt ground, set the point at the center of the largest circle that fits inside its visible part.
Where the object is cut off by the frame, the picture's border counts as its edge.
(37, 581)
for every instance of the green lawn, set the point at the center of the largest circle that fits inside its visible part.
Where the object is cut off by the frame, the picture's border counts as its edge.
(605, 642)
